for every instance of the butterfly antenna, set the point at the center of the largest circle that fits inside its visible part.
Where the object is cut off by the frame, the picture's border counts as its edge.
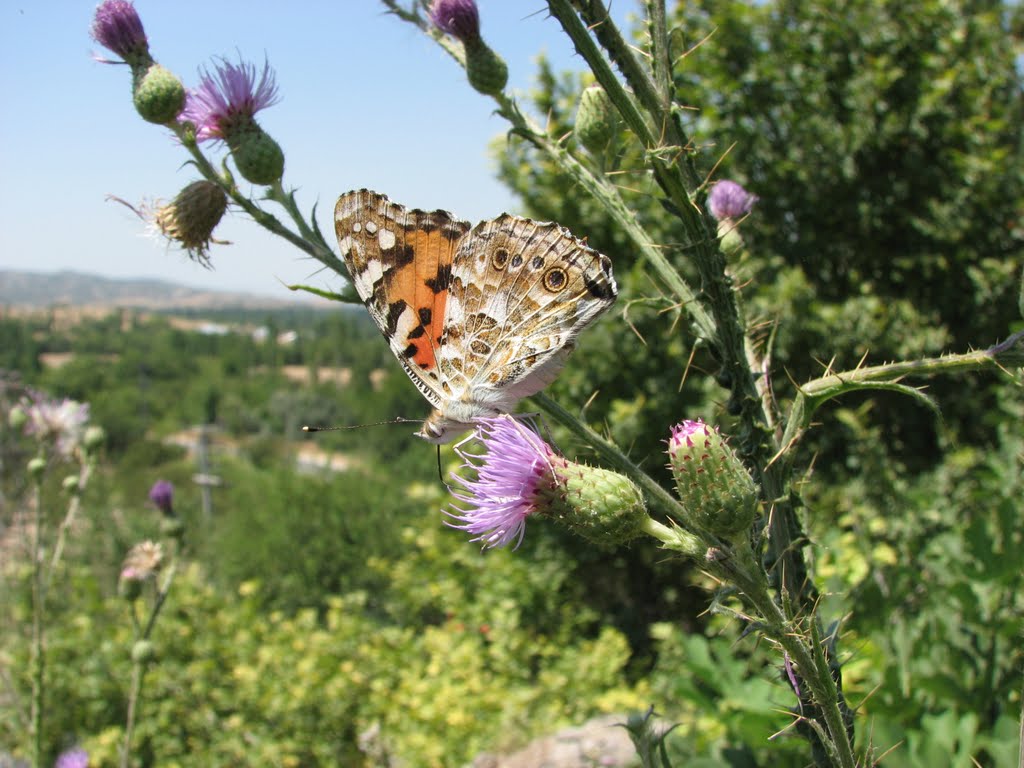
(399, 420)
(439, 475)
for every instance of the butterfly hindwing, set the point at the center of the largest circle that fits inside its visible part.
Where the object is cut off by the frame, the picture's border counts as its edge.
(521, 293)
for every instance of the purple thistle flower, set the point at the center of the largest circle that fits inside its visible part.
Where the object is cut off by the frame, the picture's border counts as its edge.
(62, 421)
(72, 758)
(728, 200)
(162, 496)
(457, 17)
(513, 465)
(116, 26)
(229, 98)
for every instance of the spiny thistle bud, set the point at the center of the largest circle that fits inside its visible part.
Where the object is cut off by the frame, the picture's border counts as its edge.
(17, 418)
(162, 496)
(36, 467)
(93, 438)
(257, 156)
(143, 652)
(596, 119)
(223, 108)
(601, 506)
(70, 484)
(486, 71)
(158, 94)
(519, 475)
(729, 202)
(711, 481)
(189, 220)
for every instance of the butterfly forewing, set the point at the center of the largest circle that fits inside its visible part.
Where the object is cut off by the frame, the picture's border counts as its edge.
(400, 264)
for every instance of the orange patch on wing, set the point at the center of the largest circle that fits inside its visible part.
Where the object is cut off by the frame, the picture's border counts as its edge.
(422, 284)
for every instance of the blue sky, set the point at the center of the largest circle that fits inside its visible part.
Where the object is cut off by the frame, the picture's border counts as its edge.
(367, 101)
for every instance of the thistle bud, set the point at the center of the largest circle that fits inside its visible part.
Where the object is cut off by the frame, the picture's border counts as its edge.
(117, 27)
(596, 120)
(257, 156)
(93, 438)
(189, 220)
(486, 71)
(224, 107)
(143, 652)
(729, 200)
(712, 483)
(36, 467)
(158, 94)
(601, 506)
(70, 484)
(17, 418)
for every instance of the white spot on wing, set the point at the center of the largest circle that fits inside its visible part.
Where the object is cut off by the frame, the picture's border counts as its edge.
(357, 227)
(364, 280)
(371, 227)
(386, 238)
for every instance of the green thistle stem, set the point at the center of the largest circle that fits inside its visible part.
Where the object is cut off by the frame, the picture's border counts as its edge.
(139, 667)
(38, 629)
(74, 505)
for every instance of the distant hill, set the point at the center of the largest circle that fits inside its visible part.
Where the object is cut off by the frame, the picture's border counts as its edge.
(46, 289)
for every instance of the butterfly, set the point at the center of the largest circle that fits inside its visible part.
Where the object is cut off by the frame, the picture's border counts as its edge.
(479, 317)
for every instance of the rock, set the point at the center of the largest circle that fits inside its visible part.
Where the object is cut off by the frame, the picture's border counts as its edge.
(598, 743)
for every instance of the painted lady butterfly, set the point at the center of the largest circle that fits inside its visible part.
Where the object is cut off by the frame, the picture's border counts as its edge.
(479, 318)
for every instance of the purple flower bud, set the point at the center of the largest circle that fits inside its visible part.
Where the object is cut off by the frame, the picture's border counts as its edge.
(457, 17)
(228, 99)
(718, 493)
(116, 26)
(728, 200)
(162, 496)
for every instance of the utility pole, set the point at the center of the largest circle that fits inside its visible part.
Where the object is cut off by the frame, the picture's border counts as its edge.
(204, 478)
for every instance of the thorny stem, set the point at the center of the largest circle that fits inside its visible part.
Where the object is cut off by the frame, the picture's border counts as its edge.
(811, 664)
